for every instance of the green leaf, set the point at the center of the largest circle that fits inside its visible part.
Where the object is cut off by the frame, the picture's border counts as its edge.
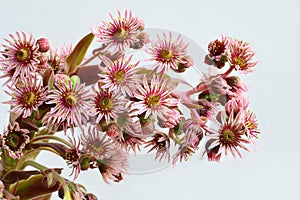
(77, 55)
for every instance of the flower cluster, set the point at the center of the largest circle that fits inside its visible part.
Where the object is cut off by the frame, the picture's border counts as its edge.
(236, 52)
(117, 106)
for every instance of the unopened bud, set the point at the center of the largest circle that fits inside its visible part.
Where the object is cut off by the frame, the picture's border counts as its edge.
(113, 130)
(84, 163)
(143, 38)
(237, 86)
(75, 80)
(180, 68)
(90, 196)
(219, 86)
(148, 127)
(43, 44)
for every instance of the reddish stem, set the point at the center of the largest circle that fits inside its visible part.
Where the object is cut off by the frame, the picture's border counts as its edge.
(199, 88)
(228, 71)
(96, 53)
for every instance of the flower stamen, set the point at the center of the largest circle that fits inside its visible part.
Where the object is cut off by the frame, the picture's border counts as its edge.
(29, 98)
(120, 34)
(239, 61)
(119, 76)
(71, 100)
(228, 136)
(105, 103)
(23, 54)
(72, 155)
(166, 54)
(153, 100)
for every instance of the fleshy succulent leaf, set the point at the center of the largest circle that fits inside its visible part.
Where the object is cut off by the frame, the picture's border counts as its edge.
(36, 187)
(17, 175)
(77, 55)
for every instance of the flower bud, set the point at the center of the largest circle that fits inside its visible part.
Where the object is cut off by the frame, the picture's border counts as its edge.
(223, 99)
(236, 105)
(43, 44)
(75, 79)
(219, 86)
(90, 196)
(148, 127)
(180, 68)
(48, 180)
(217, 51)
(84, 163)
(114, 130)
(143, 38)
(207, 108)
(237, 86)
(218, 117)
(185, 62)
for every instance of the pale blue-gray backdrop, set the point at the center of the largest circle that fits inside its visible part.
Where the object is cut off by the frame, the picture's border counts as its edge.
(271, 27)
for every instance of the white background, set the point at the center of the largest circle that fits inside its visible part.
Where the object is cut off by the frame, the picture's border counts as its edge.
(272, 29)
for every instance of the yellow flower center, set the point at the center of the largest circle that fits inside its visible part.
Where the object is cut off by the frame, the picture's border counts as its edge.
(250, 125)
(23, 54)
(228, 136)
(105, 103)
(119, 76)
(29, 97)
(71, 100)
(166, 54)
(239, 61)
(154, 100)
(120, 34)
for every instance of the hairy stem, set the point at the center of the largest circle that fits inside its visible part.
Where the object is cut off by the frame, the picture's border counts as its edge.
(51, 137)
(199, 88)
(228, 71)
(24, 158)
(96, 53)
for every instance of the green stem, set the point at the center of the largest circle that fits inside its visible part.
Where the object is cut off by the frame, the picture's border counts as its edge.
(22, 160)
(51, 137)
(33, 164)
